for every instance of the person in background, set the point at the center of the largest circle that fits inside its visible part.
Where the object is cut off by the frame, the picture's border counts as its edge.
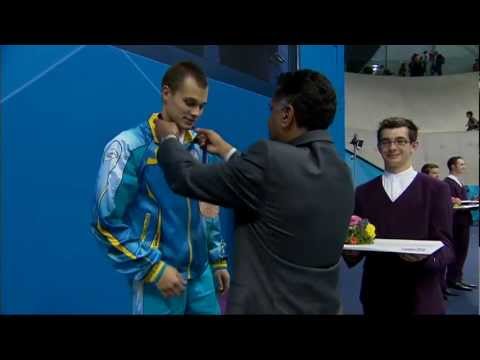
(431, 60)
(416, 65)
(425, 62)
(475, 65)
(439, 61)
(462, 219)
(433, 170)
(472, 123)
(403, 70)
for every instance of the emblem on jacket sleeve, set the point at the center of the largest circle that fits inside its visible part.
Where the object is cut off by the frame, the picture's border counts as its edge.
(113, 152)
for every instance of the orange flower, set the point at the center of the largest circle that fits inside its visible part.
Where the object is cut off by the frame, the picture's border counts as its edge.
(353, 240)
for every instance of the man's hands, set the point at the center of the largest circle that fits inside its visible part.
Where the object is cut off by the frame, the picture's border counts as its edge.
(456, 201)
(164, 128)
(206, 138)
(171, 283)
(214, 142)
(223, 279)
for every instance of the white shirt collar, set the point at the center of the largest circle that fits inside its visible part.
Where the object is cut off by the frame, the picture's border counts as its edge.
(395, 184)
(403, 174)
(454, 178)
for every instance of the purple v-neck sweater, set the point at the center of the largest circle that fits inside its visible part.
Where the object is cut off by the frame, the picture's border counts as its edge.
(422, 212)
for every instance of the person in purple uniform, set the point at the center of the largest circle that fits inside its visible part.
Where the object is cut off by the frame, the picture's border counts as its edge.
(462, 219)
(403, 204)
(433, 170)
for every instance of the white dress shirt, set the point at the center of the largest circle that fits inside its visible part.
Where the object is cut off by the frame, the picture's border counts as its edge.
(395, 184)
(230, 153)
(454, 178)
(181, 138)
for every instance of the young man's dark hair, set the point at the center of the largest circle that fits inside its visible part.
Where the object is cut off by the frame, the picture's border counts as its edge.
(311, 95)
(427, 167)
(174, 77)
(398, 122)
(453, 161)
(469, 113)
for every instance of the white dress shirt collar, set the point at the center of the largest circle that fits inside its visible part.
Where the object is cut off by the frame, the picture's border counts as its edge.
(395, 184)
(454, 178)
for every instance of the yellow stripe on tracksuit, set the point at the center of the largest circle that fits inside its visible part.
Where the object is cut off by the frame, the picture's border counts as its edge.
(189, 238)
(152, 275)
(156, 240)
(153, 160)
(151, 123)
(114, 241)
(221, 264)
(150, 194)
(189, 135)
(146, 222)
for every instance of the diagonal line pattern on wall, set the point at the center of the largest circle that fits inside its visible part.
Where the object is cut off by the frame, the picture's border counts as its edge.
(41, 74)
(140, 71)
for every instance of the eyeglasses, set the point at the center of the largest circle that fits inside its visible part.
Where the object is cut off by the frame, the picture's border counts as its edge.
(385, 143)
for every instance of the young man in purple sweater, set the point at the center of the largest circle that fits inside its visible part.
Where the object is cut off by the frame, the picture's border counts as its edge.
(403, 204)
(433, 170)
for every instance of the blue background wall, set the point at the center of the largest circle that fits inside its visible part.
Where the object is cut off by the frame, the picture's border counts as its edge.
(59, 107)
(329, 60)
(362, 170)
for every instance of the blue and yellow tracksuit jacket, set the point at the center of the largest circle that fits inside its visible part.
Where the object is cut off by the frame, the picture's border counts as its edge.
(143, 223)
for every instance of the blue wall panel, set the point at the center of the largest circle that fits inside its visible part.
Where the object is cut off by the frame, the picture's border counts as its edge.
(53, 134)
(329, 61)
(361, 170)
(60, 105)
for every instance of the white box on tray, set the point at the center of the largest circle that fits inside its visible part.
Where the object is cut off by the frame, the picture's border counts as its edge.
(421, 247)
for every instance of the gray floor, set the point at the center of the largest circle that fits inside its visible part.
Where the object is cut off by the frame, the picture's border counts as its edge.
(466, 304)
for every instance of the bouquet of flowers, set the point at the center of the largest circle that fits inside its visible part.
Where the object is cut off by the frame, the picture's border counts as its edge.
(360, 231)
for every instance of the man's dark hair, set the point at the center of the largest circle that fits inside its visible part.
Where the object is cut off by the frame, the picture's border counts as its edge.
(429, 166)
(453, 161)
(398, 122)
(470, 113)
(311, 95)
(176, 74)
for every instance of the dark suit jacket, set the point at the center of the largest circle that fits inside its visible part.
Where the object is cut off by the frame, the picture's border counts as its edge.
(292, 204)
(460, 217)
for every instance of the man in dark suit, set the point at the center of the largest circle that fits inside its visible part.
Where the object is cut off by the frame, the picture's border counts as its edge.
(292, 196)
(462, 219)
